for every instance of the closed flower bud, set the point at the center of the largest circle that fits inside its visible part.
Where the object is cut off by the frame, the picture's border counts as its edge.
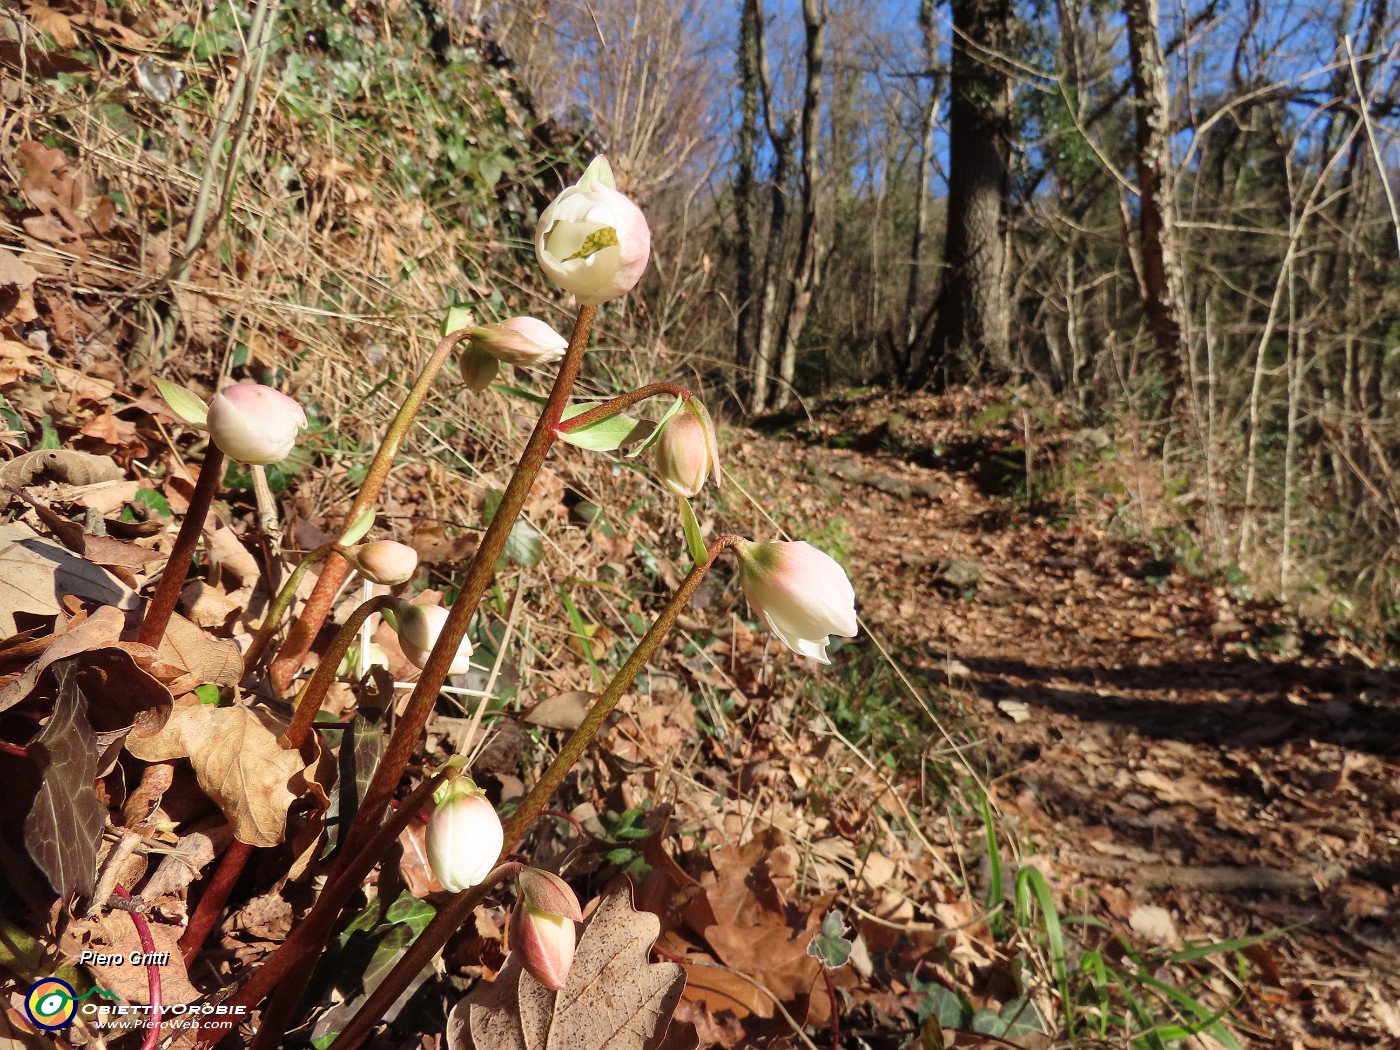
(465, 837)
(802, 593)
(542, 926)
(478, 367)
(253, 423)
(418, 627)
(384, 561)
(687, 450)
(520, 341)
(592, 240)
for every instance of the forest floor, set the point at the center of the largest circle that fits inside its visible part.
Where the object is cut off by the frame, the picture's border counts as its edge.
(1157, 742)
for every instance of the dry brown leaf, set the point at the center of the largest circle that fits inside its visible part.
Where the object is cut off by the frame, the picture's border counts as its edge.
(55, 23)
(61, 464)
(238, 764)
(564, 711)
(215, 660)
(614, 997)
(114, 935)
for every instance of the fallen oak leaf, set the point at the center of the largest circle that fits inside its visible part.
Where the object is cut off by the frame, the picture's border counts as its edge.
(613, 997)
(237, 762)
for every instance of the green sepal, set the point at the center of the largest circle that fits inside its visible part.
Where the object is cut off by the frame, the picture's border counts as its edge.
(459, 316)
(356, 530)
(656, 431)
(186, 404)
(694, 542)
(598, 174)
(606, 435)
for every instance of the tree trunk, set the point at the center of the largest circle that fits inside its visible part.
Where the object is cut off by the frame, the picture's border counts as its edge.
(1161, 279)
(806, 274)
(916, 248)
(746, 277)
(973, 320)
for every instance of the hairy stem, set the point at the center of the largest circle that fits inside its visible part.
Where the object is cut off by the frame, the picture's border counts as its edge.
(172, 579)
(309, 702)
(297, 953)
(211, 905)
(483, 567)
(451, 916)
(281, 604)
(612, 407)
(318, 606)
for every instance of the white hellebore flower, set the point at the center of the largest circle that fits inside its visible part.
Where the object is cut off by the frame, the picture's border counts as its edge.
(464, 836)
(418, 627)
(384, 561)
(253, 423)
(592, 240)
(802, 593)
(520, 341)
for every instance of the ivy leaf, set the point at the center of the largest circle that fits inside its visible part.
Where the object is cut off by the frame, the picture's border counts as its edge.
(830, 947)
(64, 827)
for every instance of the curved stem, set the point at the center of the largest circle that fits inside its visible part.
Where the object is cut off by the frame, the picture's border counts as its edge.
(483, 567)
(148, 946)
(216, 895)
(298, 950)
(318, 606)
(612, 407)
(452, 915)
(280, 604)
(172, 579)
(309, 702)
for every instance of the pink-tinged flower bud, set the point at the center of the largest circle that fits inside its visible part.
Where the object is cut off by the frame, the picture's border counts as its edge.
(478, 367)
(687, 450)
(418, 627)
(802, 593)
(592, 240)
(384, 561)
(464, 836)
(253, 423)
(520, 341)
(542, 926)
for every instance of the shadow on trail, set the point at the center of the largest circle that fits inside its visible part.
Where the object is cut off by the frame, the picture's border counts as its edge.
(1236, 703)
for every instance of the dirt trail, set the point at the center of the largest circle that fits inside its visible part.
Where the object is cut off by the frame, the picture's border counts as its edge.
(1166, 744)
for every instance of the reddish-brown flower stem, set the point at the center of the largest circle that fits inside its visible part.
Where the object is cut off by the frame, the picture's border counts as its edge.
(300, 948)
(309, 701)
(318, 606)
(148, 946)
(280, 604)
(452, 915)
(211, 905)
(612, 407)
(172, 579)
(407, 733)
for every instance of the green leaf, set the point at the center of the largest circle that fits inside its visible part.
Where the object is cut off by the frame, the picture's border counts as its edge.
(656, 431)
(458, 317)
(598, 174)
(186, 404)
(830, 947)
(207, 693)
(355, 531)
(694, 541)
(606, 435)
(153, 499)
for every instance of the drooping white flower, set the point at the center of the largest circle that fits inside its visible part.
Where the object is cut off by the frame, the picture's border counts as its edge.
(464, 837)
(418, 628)
(384, 561)
(520, 341)
(592, 240)
(256, 424)
(802, 593)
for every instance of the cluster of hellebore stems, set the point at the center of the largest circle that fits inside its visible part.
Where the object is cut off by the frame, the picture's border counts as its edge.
(802, 594)
(369, 836)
